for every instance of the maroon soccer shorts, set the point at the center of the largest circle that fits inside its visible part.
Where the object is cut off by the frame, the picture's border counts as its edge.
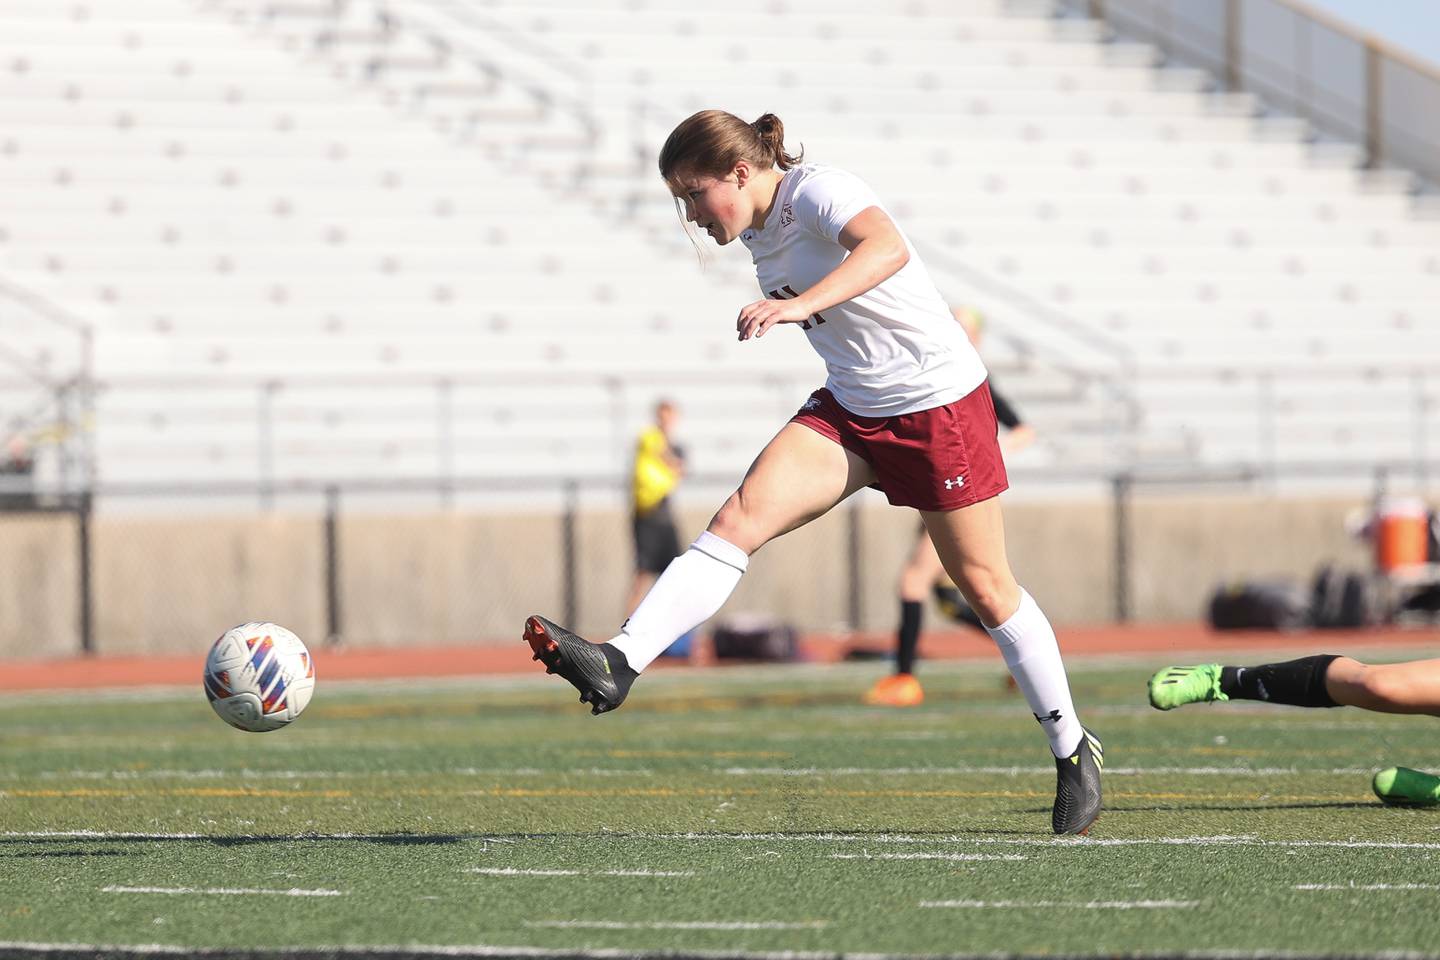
(944, 458)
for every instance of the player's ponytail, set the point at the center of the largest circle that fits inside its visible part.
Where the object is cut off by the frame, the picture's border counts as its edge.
(711, 142)
(772, 135)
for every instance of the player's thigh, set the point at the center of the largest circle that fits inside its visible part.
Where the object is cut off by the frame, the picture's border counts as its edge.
(970, 542)
(797, 477)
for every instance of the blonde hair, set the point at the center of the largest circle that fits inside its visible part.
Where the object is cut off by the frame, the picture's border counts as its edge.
(711, 142)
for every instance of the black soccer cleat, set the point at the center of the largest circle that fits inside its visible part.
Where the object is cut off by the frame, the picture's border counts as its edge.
(1077, 787)
(599, 671)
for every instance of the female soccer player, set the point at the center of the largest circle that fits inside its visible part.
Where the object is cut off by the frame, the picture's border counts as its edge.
(1322, 681)
(905, 407)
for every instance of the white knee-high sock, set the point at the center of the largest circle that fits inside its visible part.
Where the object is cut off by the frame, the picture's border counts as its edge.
(1027, 642)
(688, 593)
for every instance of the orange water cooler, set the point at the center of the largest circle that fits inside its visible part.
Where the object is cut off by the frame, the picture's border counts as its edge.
(1402, 533)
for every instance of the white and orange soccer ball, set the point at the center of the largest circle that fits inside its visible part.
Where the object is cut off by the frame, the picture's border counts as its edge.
(259, 676)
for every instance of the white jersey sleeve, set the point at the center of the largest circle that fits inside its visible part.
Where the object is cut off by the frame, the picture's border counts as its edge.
(829, 200)
(893, 349)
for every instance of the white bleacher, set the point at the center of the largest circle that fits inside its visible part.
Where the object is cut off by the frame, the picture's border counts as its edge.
(428, 192)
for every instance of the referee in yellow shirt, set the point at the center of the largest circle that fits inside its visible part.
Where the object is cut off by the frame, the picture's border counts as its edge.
(658, 466)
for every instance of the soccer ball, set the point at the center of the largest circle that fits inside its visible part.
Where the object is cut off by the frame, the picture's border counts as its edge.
(259, 676)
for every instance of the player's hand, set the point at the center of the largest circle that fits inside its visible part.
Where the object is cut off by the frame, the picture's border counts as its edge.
(757, 317)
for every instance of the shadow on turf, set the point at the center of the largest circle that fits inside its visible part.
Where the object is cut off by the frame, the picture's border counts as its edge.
(384, 839)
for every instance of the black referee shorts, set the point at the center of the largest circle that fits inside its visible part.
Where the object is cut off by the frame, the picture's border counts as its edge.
(656, 541)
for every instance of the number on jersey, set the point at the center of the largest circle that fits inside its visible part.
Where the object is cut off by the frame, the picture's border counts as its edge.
(788, 293)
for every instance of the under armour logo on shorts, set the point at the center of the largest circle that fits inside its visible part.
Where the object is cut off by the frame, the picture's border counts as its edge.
(955, 484)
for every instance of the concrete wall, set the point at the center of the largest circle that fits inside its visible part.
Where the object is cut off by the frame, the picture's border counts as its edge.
(170, 585)
(446, 578)
(1184, 546)
(39, 585)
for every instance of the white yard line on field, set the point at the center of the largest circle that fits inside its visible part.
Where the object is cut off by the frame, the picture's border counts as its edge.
(466, 950)
(1064, 842)
(519, 872)
(593, 953)
(1064, 904)
(1003, 771)
(1366, 886)
(1082, 842)
(1036, 771)
(247, 774)
(225, 891)
(647, 873)
(129, 835)
(678, 924)
(101, 835)
(927, 855)
(1221, 842)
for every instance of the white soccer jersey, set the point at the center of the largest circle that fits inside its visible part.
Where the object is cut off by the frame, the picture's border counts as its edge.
(893, 349)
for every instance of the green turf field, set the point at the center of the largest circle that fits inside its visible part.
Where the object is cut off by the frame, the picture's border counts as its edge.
(753, 810)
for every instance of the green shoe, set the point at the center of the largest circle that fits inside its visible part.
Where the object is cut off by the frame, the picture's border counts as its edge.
(1403, 787)
(1176, 686)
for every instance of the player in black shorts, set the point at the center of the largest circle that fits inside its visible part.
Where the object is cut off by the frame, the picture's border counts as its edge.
(924, 572)
(659, 465)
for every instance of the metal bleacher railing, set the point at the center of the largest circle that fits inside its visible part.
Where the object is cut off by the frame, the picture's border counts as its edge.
(1345, 82)
(1276, 416)
(49, 383)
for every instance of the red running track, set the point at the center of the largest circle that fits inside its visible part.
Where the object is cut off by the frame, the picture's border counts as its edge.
(1167, 643)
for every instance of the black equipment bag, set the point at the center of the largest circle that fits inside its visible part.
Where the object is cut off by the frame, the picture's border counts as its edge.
(1259, 605)
(1342, 600)
(755, 638)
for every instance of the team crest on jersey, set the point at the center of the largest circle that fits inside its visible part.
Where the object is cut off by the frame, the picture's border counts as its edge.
(787, 215)
(811, 403)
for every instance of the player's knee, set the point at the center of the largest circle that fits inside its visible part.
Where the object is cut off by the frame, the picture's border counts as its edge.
(991, 609)
(992, 596)
(726, 520)
(733, 524)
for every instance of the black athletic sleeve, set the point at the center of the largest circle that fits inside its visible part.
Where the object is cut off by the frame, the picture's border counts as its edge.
(1008, 416)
